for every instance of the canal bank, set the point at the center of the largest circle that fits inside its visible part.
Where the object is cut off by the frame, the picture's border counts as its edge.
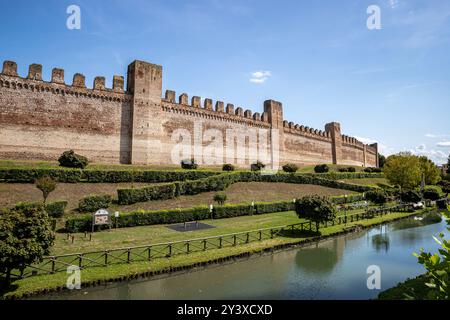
(99, 277)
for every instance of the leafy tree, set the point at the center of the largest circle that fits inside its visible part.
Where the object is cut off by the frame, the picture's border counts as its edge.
(429, 170)
(381, 160)
(72, 160)
(437, 266)
(411, 196)
(220, 198)
(290, 167)
(321, 168)
(47, 185)
(403, 170)
(315, 209)
(25, 237)
(448, 164)
(376, 196)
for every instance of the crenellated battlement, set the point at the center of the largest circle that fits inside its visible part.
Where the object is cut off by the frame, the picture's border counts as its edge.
(217, 109)
(134, 124)
(57, 78)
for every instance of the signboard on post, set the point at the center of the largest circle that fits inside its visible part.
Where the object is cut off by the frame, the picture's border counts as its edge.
(101, 217)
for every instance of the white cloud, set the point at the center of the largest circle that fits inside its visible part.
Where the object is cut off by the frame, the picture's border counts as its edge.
(260, 76)
(432, 135)
(365, 140)
(436, 156)
(443, 144)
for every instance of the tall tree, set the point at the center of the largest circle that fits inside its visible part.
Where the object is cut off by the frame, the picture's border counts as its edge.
(429, 170)
(25, 237)
(315, 209)
(403, 170)
(381, 160)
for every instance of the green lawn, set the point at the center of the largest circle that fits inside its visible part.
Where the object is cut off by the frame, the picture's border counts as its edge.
(33, 284)
(145, 235)
(368, 181)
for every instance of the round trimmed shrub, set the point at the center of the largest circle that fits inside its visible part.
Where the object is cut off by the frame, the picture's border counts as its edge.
(220, 198)
(431, 194)
(70, 159)
(227, 167)
(189, 164)
(377, 196)
(290, 167)
(257, 166)
(321, 168)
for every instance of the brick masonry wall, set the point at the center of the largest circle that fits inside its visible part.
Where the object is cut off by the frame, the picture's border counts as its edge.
(40, 120)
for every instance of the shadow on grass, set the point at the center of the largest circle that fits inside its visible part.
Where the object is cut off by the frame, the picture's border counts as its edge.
(4, 288)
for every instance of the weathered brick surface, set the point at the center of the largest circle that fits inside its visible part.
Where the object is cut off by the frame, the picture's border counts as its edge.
(40, 120)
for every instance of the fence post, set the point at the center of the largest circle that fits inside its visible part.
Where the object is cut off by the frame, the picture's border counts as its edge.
(53, 264)
(170, 250)
(106, 258)
(220, 242)
(149, 253)
(187, 247)
(271, 233)
(234, 240)
(260, 235)
(80, 260)
(248, 238)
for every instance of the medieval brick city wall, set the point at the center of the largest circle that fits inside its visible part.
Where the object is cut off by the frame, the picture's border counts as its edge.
(40, 120)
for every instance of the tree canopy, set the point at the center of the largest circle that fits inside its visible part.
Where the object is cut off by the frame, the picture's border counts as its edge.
(315, 209)
(25, 237)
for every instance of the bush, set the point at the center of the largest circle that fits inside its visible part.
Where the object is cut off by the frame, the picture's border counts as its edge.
(431, 194)
(377, 196)
(220, 198)
(372, 170)
(321, 168)
(46, 185)
(410, 196)
(445, 186)
(227, 167)
(70, 159)
(257, 166)
(189, 164)
(290, 167)
(93, 203)
(56, 209)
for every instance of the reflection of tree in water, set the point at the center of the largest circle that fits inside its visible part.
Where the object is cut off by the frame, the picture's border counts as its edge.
(322, 258)
(381, 242)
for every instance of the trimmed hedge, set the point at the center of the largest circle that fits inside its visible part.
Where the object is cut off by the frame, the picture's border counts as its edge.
(23, 175)
(56, 209)
(221, 182)
(144, 218)
(93, 203)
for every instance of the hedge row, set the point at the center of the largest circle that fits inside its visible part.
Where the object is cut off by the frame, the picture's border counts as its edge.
(54, 209)
(145, 218)
(26, 175)
(221, 182)
(345, 175)
(93, 203)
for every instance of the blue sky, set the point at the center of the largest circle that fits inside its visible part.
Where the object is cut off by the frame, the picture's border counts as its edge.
(317, 57)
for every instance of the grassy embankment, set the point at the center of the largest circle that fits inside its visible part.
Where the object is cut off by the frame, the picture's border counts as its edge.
(48, 282)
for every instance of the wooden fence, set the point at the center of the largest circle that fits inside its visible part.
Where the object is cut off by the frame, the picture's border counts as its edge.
(60, 263)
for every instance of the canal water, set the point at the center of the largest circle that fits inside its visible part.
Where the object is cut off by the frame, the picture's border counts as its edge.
(332, 269)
